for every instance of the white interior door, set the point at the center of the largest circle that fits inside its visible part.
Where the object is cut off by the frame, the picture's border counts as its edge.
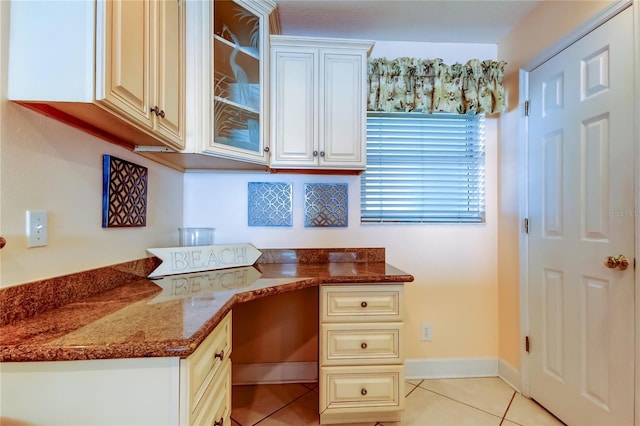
(581, 210)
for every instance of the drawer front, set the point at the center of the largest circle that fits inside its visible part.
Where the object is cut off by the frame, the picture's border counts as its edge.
(361, 303)
(353, 343)
(214, 408)
(363, 386)
(208, 358)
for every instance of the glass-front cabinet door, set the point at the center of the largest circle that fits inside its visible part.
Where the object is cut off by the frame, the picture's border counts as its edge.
(240, 43)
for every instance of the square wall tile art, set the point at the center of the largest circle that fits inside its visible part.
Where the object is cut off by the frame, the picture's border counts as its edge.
(270, 204)
(124, 193)
(325, 204)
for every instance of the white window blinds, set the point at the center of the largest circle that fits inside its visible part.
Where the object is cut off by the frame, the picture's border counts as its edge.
(424, 168)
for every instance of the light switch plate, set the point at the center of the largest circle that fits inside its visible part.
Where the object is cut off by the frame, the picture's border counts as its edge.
(36, 228)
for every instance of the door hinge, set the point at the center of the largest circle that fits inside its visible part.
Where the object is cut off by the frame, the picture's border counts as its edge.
(527, 104)
(526, 343)
(526, 225)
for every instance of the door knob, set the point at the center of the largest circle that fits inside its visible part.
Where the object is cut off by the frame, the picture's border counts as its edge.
(620, 262)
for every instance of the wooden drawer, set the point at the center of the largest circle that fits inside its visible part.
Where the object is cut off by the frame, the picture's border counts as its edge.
(354, 387)
(207, 360)
(355, 343)
(364, 303)
(214, 408)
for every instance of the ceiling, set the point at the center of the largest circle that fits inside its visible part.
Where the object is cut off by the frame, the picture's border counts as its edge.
(454, 21)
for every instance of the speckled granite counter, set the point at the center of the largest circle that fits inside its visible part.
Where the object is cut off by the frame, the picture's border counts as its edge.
(116, 312)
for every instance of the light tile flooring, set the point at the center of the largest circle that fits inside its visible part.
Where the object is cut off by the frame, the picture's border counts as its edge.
(475, 401)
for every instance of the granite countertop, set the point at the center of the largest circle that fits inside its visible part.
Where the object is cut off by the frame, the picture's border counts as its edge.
(132, 316)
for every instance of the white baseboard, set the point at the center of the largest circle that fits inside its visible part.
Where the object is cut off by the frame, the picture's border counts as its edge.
(448, 368)
(510, 375)
(270, 373)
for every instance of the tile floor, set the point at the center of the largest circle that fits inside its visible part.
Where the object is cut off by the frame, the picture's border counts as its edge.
(474, 401)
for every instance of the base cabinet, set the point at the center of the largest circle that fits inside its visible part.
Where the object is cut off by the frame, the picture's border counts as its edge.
(205, 380)
(136, 391)
(124, 392)
(361, 353)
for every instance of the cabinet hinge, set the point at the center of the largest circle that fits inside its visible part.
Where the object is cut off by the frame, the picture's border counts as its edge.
(526, 343)
(526, 225)
(527, 104)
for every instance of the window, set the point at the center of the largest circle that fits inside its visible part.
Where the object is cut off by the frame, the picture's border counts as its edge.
(424, 168)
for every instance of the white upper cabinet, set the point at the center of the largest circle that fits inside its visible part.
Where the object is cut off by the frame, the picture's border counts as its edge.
(318, 103)
(114, 68)
(228, 59)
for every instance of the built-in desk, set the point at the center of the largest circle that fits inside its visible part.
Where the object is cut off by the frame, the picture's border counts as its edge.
(130, 346)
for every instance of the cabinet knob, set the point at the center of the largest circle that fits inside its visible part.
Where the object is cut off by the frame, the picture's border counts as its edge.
(315, 153)
(266, 149)
(363, 391)
(219, 422)
(363, 304)
(321, 153)
(219, 355)
(158, 111)
(363, 345)
(3, 242)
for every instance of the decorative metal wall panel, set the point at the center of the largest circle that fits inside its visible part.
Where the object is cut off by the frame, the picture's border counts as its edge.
(124, 193)
(270, 204)
(326, 204)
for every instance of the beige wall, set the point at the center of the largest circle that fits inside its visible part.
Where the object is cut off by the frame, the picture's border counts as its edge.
(47, 165)
(547, 24)
(454, 266)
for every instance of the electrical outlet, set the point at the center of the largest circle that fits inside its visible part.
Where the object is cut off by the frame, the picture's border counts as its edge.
(36, 228)
(426, 332)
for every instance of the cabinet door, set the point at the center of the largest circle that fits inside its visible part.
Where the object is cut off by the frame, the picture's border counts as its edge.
(170, 75)
(294, 93)
(128, 30)
(372, 303)
(342, 109)
(239, 54)
(215, 407)
(361, 343)
(361, 387)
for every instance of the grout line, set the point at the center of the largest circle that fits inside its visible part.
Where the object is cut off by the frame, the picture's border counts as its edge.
(460, 402)
(414, 388)
(504, 416)
(285, 405)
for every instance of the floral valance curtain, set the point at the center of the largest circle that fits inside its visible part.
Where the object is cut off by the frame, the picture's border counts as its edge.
(429, 85)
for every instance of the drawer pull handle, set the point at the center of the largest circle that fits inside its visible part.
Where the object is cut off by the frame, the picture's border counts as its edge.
(363, 304)
(219, 422)
(363, 391)
(219, 355)
(363, 345)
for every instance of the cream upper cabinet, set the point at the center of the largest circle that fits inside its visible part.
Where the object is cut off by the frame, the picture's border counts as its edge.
(318, 103)
(228, 59)
(170, 69)
(114, 68)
